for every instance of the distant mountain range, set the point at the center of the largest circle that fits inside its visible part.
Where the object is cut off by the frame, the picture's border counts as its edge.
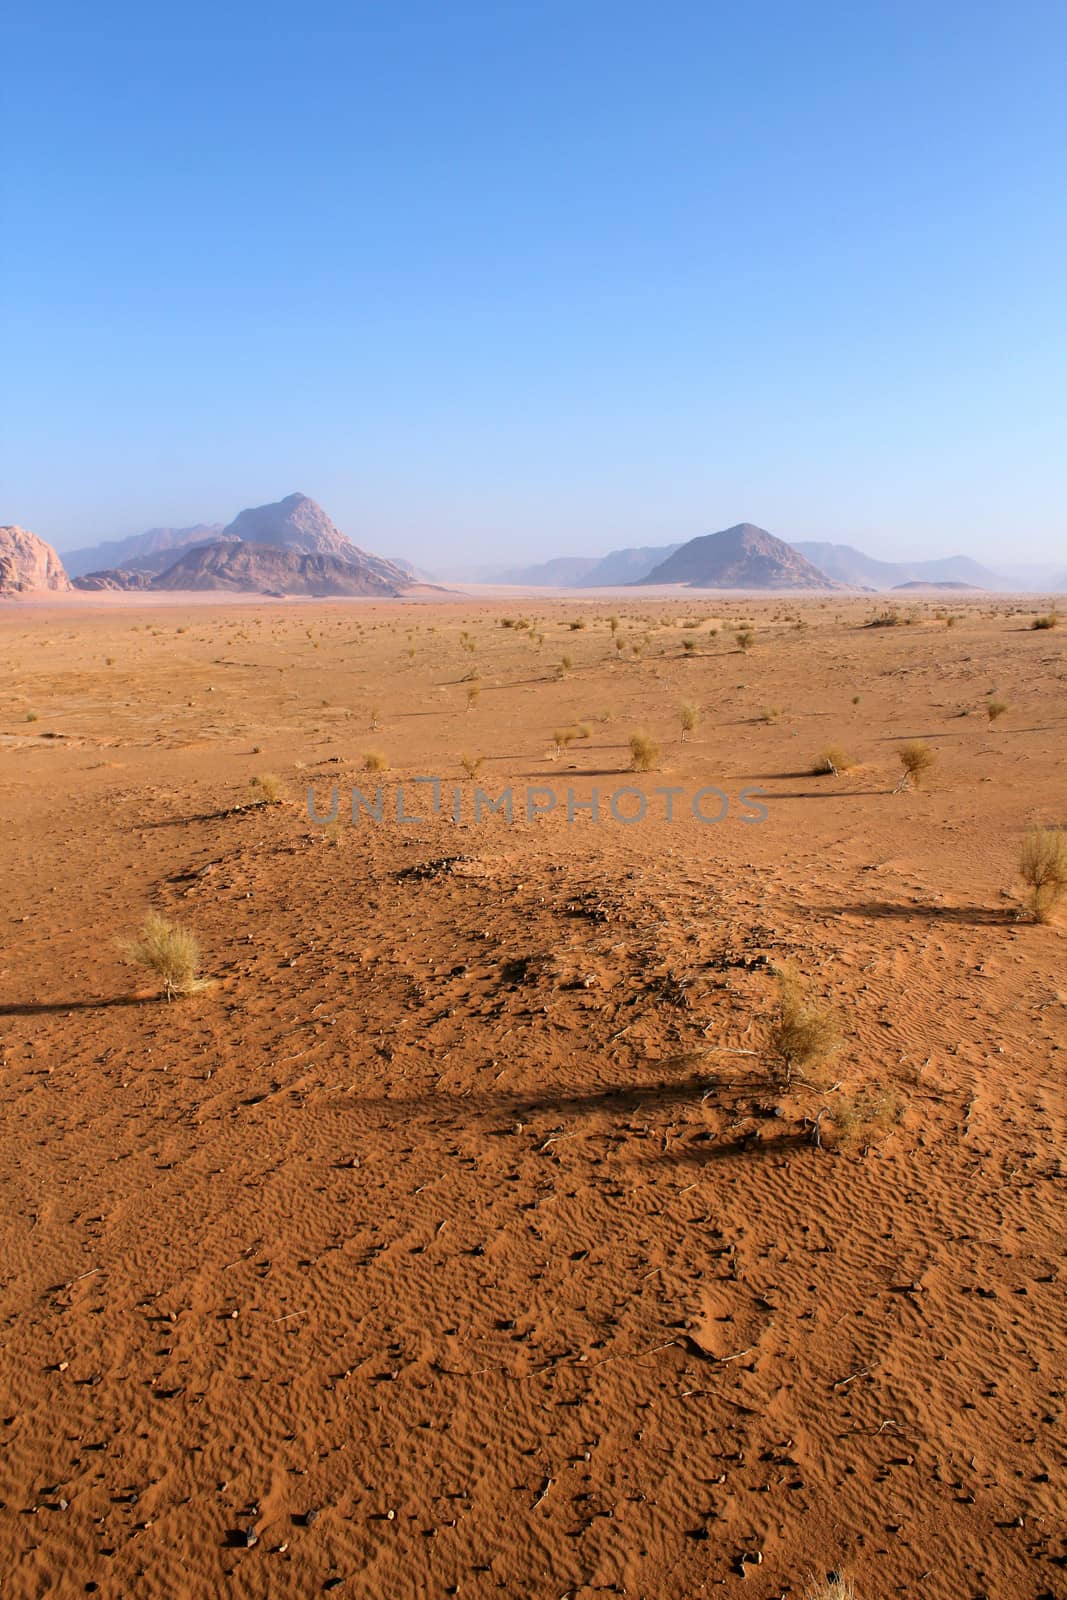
(144, 552)
(291, 547)
(851, 566)
(835, 563)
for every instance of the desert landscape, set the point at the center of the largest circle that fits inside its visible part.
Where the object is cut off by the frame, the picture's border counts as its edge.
(552, 1207)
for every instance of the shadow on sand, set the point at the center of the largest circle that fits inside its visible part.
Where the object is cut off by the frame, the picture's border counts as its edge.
(45, 1008)
(964, 916)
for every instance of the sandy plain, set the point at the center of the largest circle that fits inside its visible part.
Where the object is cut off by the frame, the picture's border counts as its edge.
(456, 1240)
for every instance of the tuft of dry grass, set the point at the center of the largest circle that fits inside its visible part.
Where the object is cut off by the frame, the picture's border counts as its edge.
(834, 1589)
(804, 1033)
(688, 716)
(916, 758)
(995, 709)
(1043, 868)
(856, 1121)
(1050, 619)
(833, 760)
(375, 761)
(269, 788)
(644, 752)
(745, 639)
(473, 691)
(471, 765)
(172, 953)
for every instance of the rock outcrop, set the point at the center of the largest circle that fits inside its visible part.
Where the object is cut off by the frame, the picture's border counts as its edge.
(27, 564)
(113, 578)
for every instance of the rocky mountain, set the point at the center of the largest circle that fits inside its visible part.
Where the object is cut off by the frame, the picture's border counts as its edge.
(848, 565)
(28, 564)
(741, 557)
(243, 566)
(143, 552)
(295, 523)
(114, 578)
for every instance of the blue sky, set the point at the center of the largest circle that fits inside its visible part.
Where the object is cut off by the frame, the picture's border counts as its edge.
(522, 280)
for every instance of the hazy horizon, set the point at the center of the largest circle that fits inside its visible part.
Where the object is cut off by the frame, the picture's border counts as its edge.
(493, 285)
(456, 558)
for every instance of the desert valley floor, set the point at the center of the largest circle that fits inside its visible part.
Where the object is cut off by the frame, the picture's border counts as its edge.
(457, 1240)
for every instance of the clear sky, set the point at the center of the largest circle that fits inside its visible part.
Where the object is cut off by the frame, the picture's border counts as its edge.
(501, 279)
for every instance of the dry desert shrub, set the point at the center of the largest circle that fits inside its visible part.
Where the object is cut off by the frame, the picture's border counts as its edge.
(745, 639)
(473, 691)
(562, 738)
(471, 765)
(688, 645)
(855, 1121)
(1050, 619)
(995, 709)
(886, 619)
(644, 752)
(688, 716)
(804, 1033)
(771, 714)
(916, 758)
(172, 953)
(832, 760)
(375, 761)
(835, 1589)
(269, 788)
(1043, 868)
